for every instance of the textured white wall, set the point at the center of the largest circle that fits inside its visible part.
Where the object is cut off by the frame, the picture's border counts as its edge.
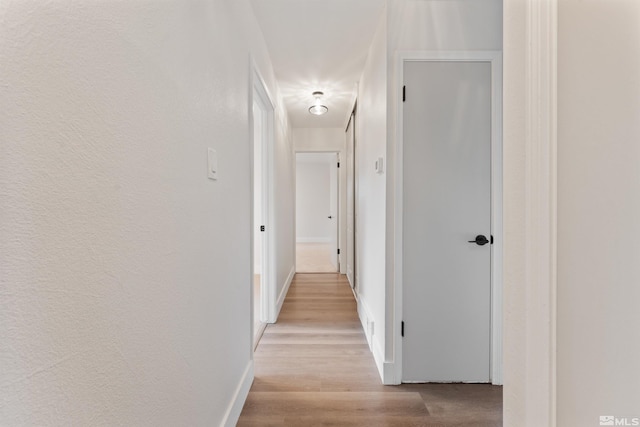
(599, 210)
(446, 24)
(124, 270)
(319, 139)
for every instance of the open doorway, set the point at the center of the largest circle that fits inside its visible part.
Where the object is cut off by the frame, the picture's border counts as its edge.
(317, 213)
(263, 293)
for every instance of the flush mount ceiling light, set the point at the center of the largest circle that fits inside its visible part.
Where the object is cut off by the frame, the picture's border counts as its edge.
(317, 108)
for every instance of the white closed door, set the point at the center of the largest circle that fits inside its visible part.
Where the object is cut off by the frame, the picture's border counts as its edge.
(447, 204)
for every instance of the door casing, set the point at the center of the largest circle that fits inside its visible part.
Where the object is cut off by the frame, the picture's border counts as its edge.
(263, 100)
(495, 59)
(350, 255)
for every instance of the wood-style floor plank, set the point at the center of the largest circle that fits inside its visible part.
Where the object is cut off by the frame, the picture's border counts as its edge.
(314, 368)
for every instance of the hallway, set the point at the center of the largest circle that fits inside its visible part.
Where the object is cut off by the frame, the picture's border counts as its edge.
(314, 368)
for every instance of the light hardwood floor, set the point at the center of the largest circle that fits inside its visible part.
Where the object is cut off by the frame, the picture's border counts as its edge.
(314, 368)
(314, 258)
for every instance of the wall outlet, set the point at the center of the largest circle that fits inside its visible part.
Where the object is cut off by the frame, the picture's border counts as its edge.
(372, 329)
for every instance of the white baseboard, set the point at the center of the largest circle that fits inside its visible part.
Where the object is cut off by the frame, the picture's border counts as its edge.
(386, 370)
(378, 357)
(364, 316)
(283, 293)
(239, 397)
(313, 239)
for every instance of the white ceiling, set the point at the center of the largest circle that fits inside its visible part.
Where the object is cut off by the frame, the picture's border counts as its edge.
(318, 45)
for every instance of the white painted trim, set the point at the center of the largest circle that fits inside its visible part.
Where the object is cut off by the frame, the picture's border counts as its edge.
(497, 223)
(385, 369)
(239, 397)
(541, 212)
(495, 58)
(378, 357)
(265, 100)
(364, 314)
(283, 293)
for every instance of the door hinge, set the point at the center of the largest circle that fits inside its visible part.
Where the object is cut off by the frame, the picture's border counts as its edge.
(338, 251)
(492, 239)
(402, 328)
(262, 228)
(404, 93)
(338, 164)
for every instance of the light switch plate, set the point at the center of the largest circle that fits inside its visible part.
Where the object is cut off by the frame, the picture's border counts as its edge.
(212, 163)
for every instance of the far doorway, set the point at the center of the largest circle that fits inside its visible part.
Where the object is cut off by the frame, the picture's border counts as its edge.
(317, 213)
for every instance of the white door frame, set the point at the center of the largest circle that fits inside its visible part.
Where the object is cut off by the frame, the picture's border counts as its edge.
(495, 59)
(349, 165)
(260, 95)
(531, 98)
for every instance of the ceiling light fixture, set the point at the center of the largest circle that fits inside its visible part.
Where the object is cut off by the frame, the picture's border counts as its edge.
(317, 108)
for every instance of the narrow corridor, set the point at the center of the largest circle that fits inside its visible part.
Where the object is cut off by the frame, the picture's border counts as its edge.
(314, 368)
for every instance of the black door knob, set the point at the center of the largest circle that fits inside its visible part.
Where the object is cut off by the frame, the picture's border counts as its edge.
(329, 217)
(480, 240)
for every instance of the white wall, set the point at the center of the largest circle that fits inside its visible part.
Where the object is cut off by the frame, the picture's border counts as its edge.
(312, 201)
(371, 131)
(318, 139)
(125, 271)
(329, 140)
(599, 211)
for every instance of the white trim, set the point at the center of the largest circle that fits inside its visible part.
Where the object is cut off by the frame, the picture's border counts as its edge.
(364, 314)
(385, 369)
(264, 100)
(495, 58)
(541, 211)
(283, 293)
(497, 223)
(234, 409)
